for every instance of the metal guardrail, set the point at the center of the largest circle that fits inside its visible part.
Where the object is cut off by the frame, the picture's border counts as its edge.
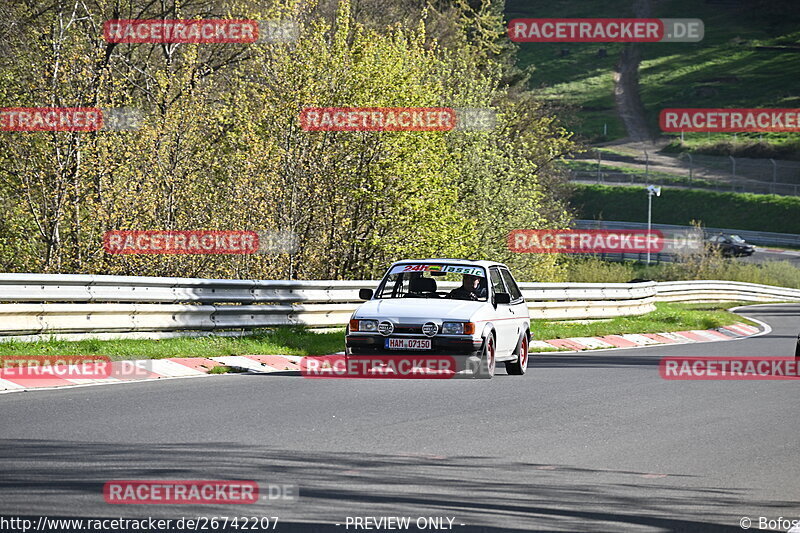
(576, 301)
(703, 290)
(755, 237)
(141, 289)
(41, 304)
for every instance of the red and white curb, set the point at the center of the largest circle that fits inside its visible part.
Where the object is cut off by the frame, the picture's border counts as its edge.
(780, 251)
(635, 340)
(188, 367)
(152, 369)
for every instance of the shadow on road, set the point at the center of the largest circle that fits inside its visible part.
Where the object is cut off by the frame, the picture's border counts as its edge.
(591, 359)
(485, 493)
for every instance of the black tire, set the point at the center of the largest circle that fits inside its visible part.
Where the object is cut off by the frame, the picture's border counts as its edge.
(518, 367)
(488, 362)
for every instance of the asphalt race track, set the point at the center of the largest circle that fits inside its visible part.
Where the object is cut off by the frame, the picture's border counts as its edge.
(763, 255)
(584, 442)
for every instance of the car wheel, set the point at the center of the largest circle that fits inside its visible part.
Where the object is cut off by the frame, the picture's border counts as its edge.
(518, 367)
(487, 364)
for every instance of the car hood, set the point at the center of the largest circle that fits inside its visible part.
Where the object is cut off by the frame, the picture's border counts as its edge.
(423, 309)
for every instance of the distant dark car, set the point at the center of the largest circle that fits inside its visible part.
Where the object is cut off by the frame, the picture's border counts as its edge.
(730, 245)
(797, 350)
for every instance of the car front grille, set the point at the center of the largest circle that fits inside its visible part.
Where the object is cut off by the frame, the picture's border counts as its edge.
(413, 330)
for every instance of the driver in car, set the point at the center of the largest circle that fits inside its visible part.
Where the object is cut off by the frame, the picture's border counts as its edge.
(470, 289)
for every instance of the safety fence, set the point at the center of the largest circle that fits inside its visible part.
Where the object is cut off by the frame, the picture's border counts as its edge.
(694, 171)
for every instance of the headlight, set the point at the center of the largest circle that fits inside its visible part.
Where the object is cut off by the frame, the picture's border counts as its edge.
(368, 325)
(458, 328)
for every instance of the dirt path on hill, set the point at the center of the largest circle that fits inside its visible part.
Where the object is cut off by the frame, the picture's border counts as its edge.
(626, 83)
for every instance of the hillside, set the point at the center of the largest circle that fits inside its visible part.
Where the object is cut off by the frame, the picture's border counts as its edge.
(750, 57)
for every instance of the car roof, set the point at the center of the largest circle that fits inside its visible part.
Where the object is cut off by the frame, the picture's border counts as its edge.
(481, 263)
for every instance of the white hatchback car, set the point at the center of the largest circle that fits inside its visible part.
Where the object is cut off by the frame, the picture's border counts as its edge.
(448, 307)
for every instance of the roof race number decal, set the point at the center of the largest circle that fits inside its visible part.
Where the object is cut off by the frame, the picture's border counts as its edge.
(475, 271)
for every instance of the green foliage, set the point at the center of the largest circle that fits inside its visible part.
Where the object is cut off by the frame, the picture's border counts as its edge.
(221, 146)
(757, 212)
(591, 270)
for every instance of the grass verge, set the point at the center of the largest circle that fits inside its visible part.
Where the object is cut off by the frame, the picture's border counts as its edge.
(280, 341)
(666, 317)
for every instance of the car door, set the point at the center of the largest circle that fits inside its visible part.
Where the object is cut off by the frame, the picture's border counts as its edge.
(518, 304)
(504, 323)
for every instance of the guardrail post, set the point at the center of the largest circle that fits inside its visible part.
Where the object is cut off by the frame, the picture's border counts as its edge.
(774, 174)
(598, 165)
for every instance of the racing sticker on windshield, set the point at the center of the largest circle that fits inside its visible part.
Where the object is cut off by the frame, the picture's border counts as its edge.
(473, 271)
(455, 269)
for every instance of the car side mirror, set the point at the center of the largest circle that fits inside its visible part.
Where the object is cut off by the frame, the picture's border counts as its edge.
(502, 298)
(365, 294)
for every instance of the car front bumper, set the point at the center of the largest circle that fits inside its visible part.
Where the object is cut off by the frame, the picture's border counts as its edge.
(450, 345)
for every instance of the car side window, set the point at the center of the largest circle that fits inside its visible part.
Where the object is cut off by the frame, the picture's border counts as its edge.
(497, 281)
(513, 289)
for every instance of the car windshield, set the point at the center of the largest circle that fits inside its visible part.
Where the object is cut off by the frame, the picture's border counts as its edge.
(736, 238)
(434, 280)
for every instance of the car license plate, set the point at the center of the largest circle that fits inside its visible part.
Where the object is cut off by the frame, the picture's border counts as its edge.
(408, 344)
